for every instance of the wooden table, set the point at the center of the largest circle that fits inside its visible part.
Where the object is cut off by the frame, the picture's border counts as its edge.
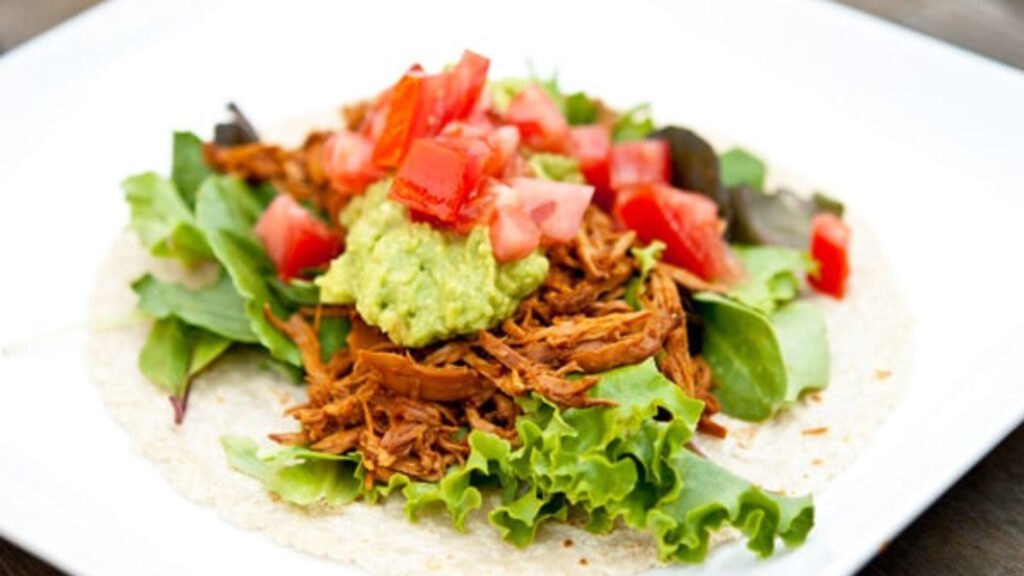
(977, 528)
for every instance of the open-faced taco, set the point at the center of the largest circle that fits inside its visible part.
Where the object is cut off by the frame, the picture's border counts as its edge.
(489, 325)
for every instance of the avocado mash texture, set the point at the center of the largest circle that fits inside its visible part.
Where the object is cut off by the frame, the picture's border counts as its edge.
(419, 284)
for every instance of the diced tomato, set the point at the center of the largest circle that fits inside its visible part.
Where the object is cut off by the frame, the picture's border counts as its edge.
(540, 121)
(294, 238)
(639, 162)
(434, 179)
(514, 234)
(348, 161)
(467, 83)
(504, 143)
(403, 108)
(592, 145)
(830, 241)
(686, 222)
(556, 207)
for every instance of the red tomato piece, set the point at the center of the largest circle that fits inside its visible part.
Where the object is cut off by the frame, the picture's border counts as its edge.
(639, 162)
(540, 121)
(467, 83)
(830, 242)
(348, 161)
(686, 222)
(433, 179)
(403, 107)
(376, 118)
(514, 234)
(504, 143)
(295, 239)
(556, 207)
(592, 146)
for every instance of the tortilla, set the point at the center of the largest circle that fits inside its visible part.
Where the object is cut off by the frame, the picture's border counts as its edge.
(800, 450)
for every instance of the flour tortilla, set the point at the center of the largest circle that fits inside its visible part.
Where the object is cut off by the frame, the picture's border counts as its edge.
(797, 452)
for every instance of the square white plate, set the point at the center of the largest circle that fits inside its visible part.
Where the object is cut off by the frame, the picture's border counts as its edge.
(924, 140)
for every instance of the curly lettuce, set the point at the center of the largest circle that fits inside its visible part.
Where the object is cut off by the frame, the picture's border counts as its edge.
(627, 462)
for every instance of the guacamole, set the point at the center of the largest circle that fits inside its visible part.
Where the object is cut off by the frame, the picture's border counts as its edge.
(420, 284)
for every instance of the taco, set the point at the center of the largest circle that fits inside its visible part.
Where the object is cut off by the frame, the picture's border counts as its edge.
(485, 326)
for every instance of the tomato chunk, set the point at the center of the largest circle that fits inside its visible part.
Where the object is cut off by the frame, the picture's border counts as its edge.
(686, 222)
(467, 83)
(435, 179)
(556, 207)
(295, 239)
(348, 161)
(592, 146)
(640, 162)
(830, 241)
(540, 121)
(513, 233)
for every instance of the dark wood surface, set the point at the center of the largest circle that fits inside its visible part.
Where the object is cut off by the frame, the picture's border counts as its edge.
(977, 528)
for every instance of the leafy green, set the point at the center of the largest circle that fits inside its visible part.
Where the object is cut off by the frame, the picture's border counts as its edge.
(737, 166)
(624, 462)
(297, 474)
(773, 275)
(556, 167)
(332, 335)
(803, 340)
(762, 362)
(580, 109)
(648, 257)
(503, 90)
(634, 124)
(175, 352)
(162, 219)
(217, 307)
(226, 212)
(743, 352)
(188, 165)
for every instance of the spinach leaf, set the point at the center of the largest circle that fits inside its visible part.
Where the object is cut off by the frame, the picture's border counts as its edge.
(634, 124)
(217, 307)
(226, 212)
(743, 351)
(774, 275)
(162, 220)
(556, 167)
(800, 329)
(174, 353)
(188, 165)
(739, 167)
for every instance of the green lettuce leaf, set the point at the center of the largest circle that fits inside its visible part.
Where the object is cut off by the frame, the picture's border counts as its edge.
(626, 461)
(188, 165)
(762, 362)
(162, 220)
(297, 474)
(634, 124)
(556, 167)
(803, 340)
(217, 307)
(774, 275)
(226, 212)
(580, 109)
(737, 166)
(648, 256)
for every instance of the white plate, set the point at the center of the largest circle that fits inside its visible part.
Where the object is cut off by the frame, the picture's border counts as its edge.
(924, 140)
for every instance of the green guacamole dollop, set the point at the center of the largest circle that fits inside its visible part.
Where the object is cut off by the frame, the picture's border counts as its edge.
(417, 283)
